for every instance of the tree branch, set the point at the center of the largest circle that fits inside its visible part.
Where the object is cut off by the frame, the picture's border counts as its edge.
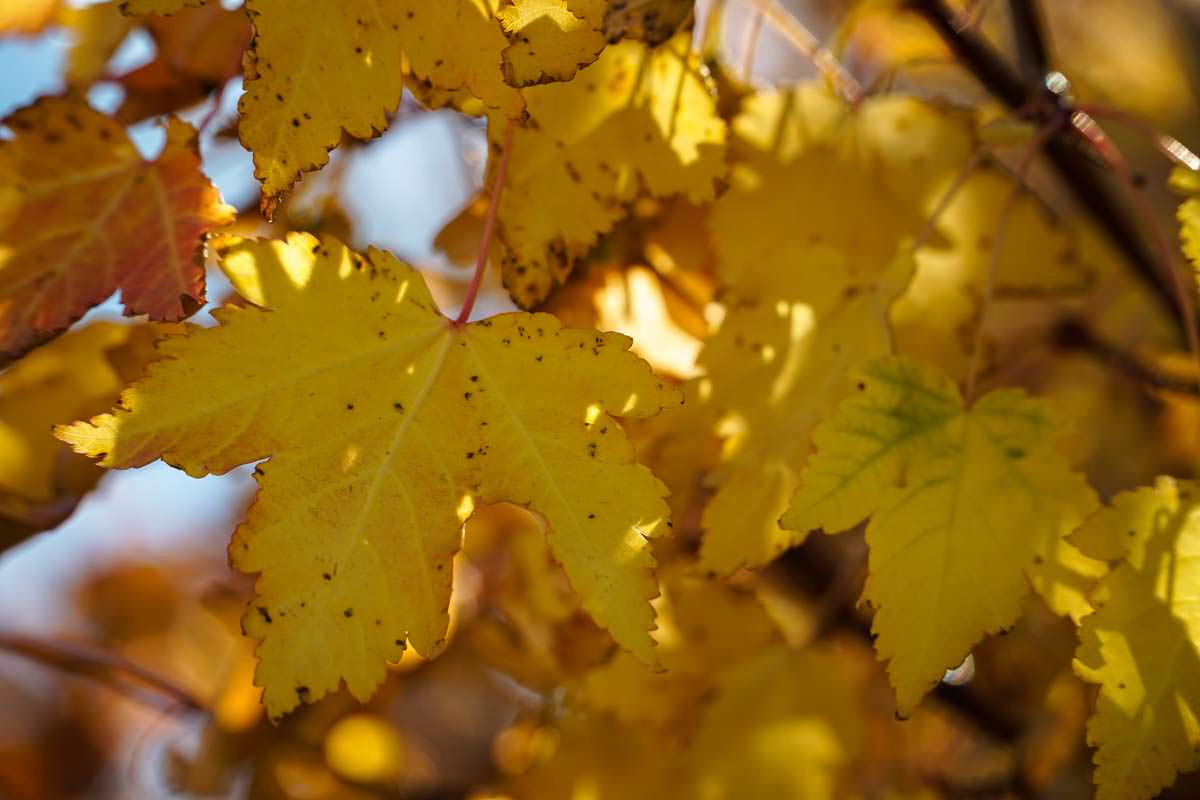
(1070, 162)
(1074, 335)
(1033, 55)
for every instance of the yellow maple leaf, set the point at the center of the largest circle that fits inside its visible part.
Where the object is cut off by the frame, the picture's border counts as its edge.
(777, 366)
(316, 69)
(1143, 643)
(82, 214)
(962, 503)
(551, 40)
(636, 120)
(383, 422)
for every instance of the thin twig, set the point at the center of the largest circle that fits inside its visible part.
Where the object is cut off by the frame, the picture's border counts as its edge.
(1091, 130)
(1171, 148)
(750, 44)
(99, 665)
(1074, 335)
(1031, 151)
(976, 161)
(802, 39)
(489, 225)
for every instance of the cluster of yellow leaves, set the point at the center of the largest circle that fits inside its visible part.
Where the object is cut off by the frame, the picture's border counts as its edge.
(354, 56)
(808, 293)
(636, 122)
(381, 426)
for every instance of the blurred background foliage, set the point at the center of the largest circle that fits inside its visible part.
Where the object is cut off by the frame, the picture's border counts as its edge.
(122, 669)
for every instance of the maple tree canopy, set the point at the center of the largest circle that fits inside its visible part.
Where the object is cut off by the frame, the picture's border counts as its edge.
(773, 414)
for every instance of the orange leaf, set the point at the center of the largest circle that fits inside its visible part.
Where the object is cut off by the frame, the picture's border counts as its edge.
(198, 50)
(82, 215)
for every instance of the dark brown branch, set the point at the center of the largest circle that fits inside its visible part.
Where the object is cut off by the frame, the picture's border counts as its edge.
(1074, 335)
(975, 53)
(1074, 167)
(1033, 55)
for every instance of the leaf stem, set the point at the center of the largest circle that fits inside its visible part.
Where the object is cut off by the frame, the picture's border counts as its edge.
(489, 225)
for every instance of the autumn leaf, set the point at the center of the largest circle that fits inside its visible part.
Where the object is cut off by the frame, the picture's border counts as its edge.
(651, 21)
(550, 39)
(637, 120)
(83, 215)
(97, 31)
(78, 374)
(384, 422)
(777, 367)
(808, 150)
(318, 68)
(1142, 646)
(963, 504)
(353, 62)
(196, 51)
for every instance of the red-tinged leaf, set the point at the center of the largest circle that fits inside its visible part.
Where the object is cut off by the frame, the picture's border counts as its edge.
(83, 215)
(198, 50)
